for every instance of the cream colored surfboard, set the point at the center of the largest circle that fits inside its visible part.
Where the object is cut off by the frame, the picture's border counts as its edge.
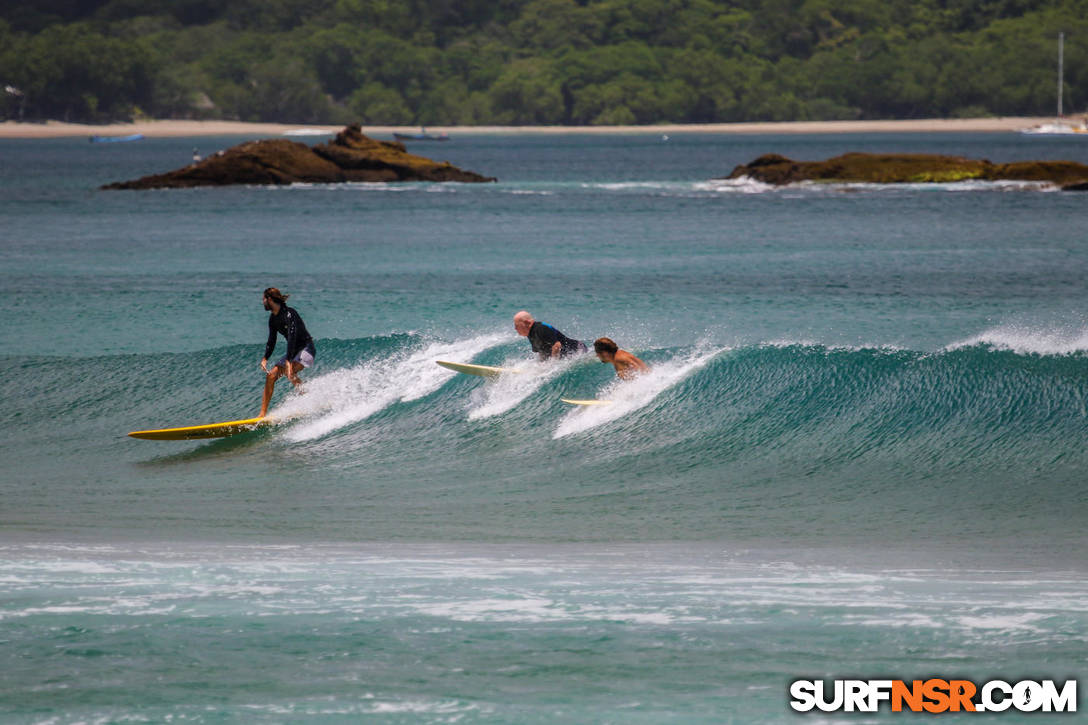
(484, 371)
(586, 402)
(198, 432)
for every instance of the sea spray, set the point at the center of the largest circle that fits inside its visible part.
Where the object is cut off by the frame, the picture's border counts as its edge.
(500, 395)
(627, 396)
(1028, 339)
(342, 397)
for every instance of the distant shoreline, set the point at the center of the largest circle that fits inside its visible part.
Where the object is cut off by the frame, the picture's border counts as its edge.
(177, 128)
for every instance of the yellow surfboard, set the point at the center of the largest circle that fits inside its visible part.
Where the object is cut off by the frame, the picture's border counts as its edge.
(586, 402)
(484, 371)
(198, 432)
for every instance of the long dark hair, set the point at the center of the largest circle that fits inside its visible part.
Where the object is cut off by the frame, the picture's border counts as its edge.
(276, 296)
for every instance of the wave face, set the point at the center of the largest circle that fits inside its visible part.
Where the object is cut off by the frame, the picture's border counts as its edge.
(983, 438)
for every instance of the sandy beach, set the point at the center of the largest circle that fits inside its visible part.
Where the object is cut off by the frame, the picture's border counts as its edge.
(176, 128)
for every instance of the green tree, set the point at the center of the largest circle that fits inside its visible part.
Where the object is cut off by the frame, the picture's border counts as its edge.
(527, 93)
(73, 73)
(539, 61)
(376, 104)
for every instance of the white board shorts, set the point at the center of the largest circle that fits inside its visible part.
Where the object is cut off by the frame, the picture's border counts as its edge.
(305, 357)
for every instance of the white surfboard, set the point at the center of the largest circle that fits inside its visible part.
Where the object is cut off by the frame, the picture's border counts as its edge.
(484, 371)
(586, 402)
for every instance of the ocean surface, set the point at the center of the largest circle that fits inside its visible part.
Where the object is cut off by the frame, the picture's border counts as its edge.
(861, 451)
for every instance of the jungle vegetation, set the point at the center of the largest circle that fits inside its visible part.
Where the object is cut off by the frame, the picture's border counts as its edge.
(520, 62)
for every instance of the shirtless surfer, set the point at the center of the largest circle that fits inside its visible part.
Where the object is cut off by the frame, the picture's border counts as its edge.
(300, 346)
(547, 341)
(627, 365)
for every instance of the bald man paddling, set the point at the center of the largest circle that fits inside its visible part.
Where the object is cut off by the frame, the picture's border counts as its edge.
(548, 342)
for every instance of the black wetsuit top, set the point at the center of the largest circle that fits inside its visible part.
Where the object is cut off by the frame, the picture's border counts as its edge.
(290, 325)
(543, 337)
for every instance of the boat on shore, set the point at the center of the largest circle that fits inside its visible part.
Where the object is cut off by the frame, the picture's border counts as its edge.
(116, 139)
(309, 132)
(421, 136)
(1060, 127)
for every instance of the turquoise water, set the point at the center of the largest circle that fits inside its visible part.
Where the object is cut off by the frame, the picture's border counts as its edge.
(861, 452)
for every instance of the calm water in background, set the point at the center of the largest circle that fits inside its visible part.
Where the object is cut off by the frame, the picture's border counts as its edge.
(861, 453)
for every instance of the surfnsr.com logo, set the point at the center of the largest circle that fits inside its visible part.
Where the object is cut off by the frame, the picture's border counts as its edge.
(933, 696)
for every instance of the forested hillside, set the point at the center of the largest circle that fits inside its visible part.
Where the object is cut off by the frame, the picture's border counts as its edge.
(538, 61)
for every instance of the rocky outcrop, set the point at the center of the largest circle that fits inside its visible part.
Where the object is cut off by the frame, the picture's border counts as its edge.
(910, 168)
(351, 156)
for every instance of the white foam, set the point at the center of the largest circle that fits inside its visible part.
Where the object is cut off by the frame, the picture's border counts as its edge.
(368, 705)
(1003, 622)
(421, 707)
(1027, 340)
(950, 186)
(522, 609)
(749, 185)
(630, 395)
(741, 185)
(537, 609)
(77, 567)
(626, 185)
(1008, 185)
(906, 620)
(834, 347)
(346, 396)
(506, 391)
(378, 186)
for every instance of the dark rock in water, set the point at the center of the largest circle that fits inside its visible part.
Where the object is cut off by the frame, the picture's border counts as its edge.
(351, 156)
(908, 168)
(364, 159)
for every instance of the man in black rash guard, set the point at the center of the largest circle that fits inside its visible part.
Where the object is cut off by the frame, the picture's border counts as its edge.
(547, 341)
(300, 346)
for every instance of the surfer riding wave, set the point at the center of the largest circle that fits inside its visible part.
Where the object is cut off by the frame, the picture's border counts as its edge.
(300, 353)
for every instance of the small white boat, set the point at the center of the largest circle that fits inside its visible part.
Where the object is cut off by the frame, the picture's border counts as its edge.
(307, 132)
(116, 139)
(1059, 127)
(421, 136)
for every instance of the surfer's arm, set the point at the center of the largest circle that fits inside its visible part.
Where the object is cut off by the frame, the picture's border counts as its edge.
(557, 348)
(293, 345)
(271, 344)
